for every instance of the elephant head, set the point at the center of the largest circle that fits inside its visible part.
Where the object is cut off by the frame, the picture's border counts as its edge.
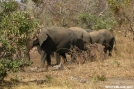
(33, 41)
(42, 36)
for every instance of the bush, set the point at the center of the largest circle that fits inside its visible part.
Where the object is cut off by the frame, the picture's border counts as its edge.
(94, 52)
(16, 27)
(96, 22)
(99, 78)
(7, 65)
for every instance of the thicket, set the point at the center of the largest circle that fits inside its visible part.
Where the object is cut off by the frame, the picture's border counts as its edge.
(123, 13)
(15, 29)
(89, 14)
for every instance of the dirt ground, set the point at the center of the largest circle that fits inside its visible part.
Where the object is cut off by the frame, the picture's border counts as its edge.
(75, 76)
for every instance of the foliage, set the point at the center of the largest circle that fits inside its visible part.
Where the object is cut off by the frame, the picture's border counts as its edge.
(67, 13)
(99, 78)
(96, 22)
(122, 11)
(116, 63)
(37, 1)
(116, 5)
(49, 78)
(9, 6)
(7, 65)
(16, 27)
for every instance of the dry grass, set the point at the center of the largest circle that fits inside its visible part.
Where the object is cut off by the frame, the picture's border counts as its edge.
(98, 74)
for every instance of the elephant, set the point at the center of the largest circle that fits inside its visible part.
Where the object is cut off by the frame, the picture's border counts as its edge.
(105, 38)
(82, 34)
(55, 39)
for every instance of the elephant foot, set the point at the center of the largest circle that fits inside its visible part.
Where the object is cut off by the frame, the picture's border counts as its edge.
(109, 54)
(49, 64)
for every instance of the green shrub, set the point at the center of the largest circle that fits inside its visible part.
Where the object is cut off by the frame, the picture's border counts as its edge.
(16, 27)
(95, 22)
(99, 78)
(49, 78)
(116, 63)
(7, 65)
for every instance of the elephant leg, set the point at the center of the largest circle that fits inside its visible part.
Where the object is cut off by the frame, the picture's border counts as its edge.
(57, 58)
(110, 51)
(52, 54)
(111, 44)
(64, 57)
(39, 49)
(48, 58)
(110, 54)
(105, 46)
(43, 58)
(105, 50)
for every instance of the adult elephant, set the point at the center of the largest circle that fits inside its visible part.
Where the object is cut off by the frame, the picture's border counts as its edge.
(105, 38)
(82, 34)
(56, 39)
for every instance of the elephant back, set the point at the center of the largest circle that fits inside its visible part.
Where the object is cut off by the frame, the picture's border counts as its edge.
(107, 34)
(81, 33)
(95, 36)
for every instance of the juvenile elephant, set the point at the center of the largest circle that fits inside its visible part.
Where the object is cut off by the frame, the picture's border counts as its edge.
(56, 39)
(105, 38)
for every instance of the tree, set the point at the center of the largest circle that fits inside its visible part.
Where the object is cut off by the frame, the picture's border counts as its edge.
(123, 12)
(15, 29)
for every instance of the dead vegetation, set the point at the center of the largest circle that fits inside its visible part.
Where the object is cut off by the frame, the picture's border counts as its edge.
(94, 52)
(97, 74)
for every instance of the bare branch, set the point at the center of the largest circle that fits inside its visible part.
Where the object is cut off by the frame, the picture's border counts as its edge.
(101, 13)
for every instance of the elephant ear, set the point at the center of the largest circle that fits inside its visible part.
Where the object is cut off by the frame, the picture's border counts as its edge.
(42, 37)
